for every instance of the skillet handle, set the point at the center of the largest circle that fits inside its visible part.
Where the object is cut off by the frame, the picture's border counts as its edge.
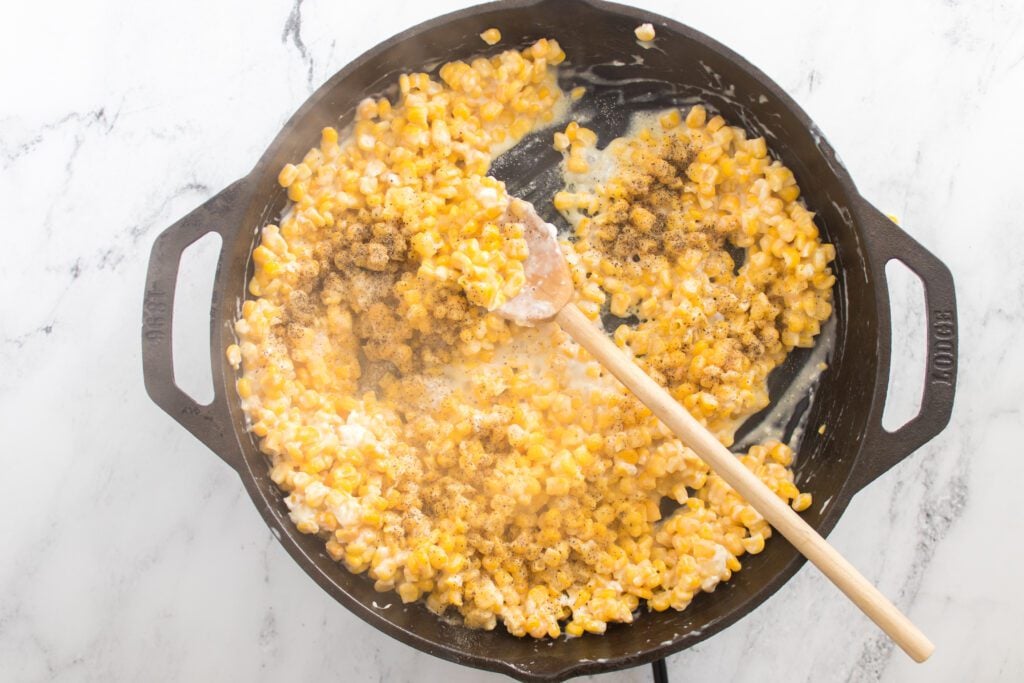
(883, 448)
(210, 423)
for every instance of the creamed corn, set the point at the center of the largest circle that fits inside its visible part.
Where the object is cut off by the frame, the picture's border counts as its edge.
(497, 471)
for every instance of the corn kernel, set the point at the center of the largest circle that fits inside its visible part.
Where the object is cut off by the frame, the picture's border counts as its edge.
(802, 502)
(491, 36)
(644, 32)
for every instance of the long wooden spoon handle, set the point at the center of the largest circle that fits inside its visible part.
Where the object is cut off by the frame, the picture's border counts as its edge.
(808, 541)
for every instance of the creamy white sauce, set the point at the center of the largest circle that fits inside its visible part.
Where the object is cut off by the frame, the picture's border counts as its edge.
(299, 512)
(714, 569)
(602, 163)
(602, 166)
(804, 385)
(348, 512)
(353, 435)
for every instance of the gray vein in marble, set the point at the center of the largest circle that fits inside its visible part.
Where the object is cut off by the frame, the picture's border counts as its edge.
(813, 79)
(293, 32)
(268, 629)
(942, 506)
(25, 567)
(267, 546)
(1017, 62)
(21, 339)
(83, 124)
(85, 120)
(111, 257)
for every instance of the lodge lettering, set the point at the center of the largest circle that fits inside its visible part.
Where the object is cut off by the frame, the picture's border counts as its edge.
(154, 315)
(943, 348)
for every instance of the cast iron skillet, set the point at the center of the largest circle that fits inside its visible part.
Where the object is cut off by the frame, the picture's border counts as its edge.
(854, 450)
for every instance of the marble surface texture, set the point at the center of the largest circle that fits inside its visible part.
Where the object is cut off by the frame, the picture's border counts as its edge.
(130, 552)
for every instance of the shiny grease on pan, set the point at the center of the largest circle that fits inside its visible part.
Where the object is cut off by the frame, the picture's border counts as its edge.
(612, 104)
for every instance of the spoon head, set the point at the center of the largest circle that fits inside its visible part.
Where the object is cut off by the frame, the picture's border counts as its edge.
(548, 285)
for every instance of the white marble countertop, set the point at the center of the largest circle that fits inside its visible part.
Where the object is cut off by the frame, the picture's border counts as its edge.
(130, 552)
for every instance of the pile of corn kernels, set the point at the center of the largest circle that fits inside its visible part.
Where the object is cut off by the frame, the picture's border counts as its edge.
(496, 471)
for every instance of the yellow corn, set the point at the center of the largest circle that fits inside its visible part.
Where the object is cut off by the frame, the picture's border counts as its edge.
(644, 32)
(416, 433)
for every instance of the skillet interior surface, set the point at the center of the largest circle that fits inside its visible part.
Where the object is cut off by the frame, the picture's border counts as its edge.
(682, 67)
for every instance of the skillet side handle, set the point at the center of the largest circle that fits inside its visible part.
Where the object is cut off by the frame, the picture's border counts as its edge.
(210, 423)
(884, 448)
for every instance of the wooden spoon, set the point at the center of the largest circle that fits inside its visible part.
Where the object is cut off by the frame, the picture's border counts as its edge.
(546, 296)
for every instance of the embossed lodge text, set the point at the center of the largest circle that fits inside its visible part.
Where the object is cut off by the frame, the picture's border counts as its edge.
(943, 348)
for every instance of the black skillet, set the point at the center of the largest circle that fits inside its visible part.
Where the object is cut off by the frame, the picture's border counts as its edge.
(683, 67)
